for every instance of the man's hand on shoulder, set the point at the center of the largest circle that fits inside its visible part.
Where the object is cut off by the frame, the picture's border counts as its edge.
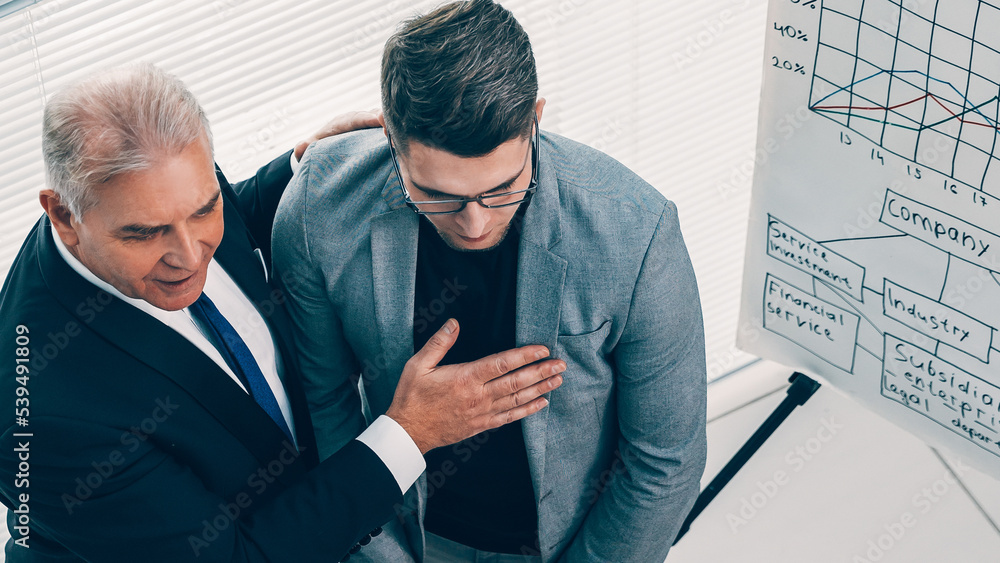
(442, 405)
(343, 123)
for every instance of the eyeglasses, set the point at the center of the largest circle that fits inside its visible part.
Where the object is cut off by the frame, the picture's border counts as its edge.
(489, 201)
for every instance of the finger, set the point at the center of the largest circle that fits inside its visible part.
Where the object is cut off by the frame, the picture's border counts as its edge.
(435, 349)
(507, 385)
(528, 394)
(366, 120)
(515, 414)
(496, 365)
(345, 123)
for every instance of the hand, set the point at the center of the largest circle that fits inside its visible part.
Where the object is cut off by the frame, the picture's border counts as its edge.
(438, 406)
(343, 123)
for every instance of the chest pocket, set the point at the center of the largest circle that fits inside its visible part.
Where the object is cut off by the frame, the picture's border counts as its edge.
(588, 371)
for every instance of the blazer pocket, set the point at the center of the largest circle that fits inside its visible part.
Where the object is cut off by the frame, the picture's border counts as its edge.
(586, 360)
(604, 329)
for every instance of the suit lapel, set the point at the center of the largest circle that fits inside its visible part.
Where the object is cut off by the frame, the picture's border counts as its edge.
(394, 263)
(163, 350)
(541, 275)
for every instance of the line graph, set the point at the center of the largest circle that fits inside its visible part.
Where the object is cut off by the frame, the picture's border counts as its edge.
(920, 82)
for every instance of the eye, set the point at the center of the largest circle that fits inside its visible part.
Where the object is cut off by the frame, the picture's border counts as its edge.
(208, 211)
(140, 238)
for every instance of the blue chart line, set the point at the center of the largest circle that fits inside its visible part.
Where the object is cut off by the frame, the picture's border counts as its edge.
(850, 111)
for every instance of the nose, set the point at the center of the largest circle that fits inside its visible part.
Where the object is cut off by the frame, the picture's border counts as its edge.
(473, 220)
(184, 250)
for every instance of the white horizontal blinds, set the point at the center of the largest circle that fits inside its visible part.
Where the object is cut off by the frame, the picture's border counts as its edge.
(20, 126)
(699, 87)
(671, 90)
(268, 73)
(668, 88)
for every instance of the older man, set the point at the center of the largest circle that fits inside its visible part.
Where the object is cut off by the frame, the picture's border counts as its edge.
(465, 209)
(159, 416)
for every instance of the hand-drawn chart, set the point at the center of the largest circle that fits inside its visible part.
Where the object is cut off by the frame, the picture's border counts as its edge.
(930, 84)
(873, 255)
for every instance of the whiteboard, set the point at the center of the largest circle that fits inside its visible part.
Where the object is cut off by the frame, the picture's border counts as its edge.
(873, 255)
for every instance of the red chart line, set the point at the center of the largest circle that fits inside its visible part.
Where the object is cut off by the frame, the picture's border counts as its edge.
(913, 101)
(877, 108)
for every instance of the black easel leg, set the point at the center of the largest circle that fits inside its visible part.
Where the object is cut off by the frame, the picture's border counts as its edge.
(802, 388)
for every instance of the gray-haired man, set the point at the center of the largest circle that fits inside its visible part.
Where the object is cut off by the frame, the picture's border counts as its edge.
(465, 209)
(159, 413)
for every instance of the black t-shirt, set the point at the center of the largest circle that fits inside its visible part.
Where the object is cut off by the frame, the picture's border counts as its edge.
(479, 490)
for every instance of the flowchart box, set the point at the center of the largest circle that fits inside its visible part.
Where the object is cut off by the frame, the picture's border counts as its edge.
(937, 320)
(800, 251)
(942, 230)
(954, 398)
(817, 326)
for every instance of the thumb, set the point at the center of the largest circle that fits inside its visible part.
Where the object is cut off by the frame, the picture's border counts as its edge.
(435, 349)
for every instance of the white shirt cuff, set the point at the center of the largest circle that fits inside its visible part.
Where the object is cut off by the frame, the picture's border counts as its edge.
(396, 449)
(295, 164)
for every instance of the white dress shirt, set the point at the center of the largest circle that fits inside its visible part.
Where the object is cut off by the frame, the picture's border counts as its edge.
(385, 437)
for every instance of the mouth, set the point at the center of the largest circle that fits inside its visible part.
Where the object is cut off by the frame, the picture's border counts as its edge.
(177, 285)
(474, 240)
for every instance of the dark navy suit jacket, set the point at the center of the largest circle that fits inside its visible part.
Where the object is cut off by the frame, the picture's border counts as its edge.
(138, 447)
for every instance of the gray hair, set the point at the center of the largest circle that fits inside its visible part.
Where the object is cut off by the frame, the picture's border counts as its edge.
(116, 121)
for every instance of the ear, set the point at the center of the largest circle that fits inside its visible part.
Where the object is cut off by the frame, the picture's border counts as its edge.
(63, 221)
(381, 121)
(539, 107)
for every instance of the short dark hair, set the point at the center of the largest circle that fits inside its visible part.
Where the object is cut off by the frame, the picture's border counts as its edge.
(461, 79)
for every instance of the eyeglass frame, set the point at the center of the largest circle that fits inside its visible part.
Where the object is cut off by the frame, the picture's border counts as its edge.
(532, 185)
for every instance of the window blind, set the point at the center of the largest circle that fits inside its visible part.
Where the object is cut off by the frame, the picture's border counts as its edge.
(668, 88)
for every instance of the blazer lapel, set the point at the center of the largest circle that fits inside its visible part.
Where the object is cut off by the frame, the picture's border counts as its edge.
(541, 275)
(394, 263)
(163, 350)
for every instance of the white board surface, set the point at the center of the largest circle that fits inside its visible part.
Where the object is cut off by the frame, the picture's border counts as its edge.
(873, 254)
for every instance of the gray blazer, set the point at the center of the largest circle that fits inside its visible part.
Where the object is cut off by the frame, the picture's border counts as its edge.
(604, 280)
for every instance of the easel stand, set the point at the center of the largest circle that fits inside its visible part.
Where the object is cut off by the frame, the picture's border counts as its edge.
(802, 388)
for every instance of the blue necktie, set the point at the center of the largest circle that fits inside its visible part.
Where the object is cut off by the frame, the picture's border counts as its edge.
(239, 358)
